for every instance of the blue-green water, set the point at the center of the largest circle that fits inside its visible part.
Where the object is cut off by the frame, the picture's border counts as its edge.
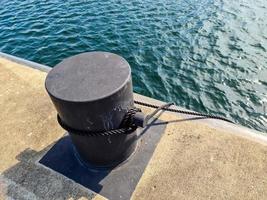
(205, 55)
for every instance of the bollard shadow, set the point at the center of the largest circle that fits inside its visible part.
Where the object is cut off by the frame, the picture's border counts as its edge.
(115, 183)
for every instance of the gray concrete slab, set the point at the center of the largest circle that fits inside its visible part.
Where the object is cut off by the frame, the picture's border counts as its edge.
(195, 159)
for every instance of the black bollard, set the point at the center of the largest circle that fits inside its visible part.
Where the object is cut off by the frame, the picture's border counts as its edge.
(93, 92)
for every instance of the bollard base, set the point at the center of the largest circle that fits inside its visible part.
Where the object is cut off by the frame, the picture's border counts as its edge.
(115, 183)
(104, 151)
(95, 167)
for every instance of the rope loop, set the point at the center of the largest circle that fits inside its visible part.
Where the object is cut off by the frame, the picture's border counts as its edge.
(126, 126)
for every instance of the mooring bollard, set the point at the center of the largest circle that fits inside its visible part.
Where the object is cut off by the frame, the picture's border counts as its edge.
(92, 92)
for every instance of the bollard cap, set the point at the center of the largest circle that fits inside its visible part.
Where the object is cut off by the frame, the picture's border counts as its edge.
(88, 77)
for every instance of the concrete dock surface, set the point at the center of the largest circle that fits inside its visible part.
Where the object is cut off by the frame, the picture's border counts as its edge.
(195, 158)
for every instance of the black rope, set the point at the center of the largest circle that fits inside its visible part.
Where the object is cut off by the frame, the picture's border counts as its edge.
(127, 126)
(183, 111)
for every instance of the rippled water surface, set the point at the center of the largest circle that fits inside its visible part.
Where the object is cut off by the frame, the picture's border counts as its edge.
(205, 55)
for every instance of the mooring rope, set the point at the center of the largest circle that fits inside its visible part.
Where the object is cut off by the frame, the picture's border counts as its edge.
(184, 112)
(128, 126)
